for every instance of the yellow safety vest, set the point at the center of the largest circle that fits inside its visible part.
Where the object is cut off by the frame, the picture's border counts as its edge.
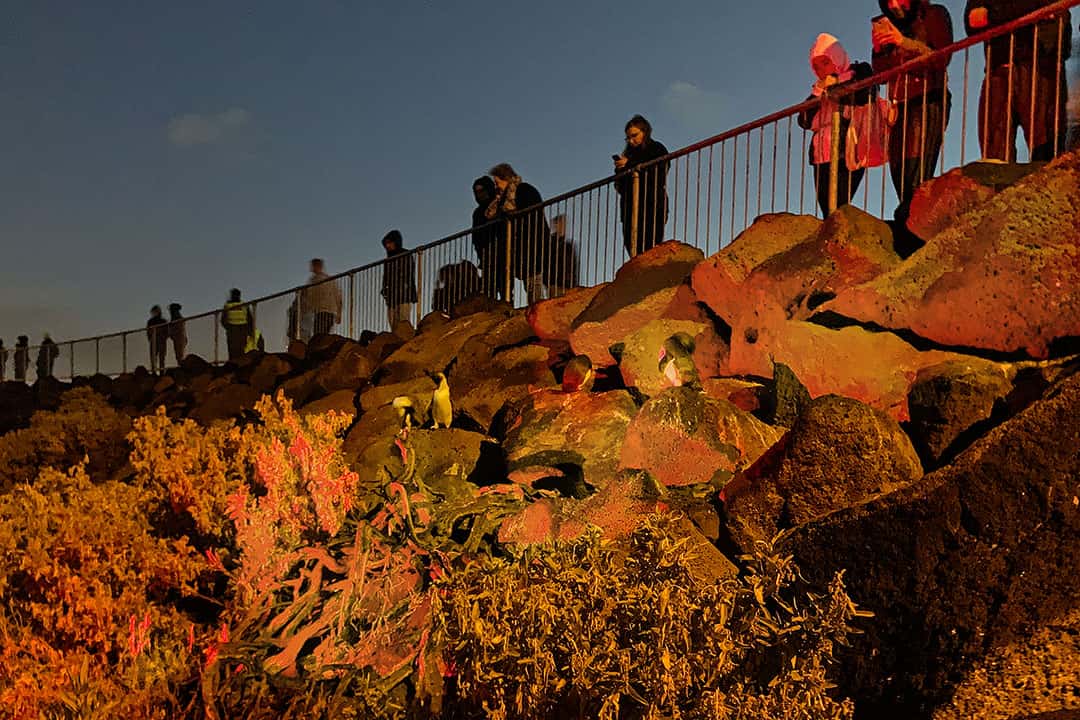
(253, 341)
(235, 313)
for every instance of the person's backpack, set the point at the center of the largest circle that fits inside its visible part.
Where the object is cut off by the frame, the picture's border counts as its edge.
(867, 142)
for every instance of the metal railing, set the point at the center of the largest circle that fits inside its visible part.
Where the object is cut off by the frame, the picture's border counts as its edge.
(704, 195)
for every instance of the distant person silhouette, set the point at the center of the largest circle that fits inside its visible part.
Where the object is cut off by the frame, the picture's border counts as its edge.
(398, 281)
(529, 232)
(561, 269)
(3, 361)
(1025, 66)
(158, 336)
(457, 282)
(833, 69)
(177, 332)
(907, 30)
(489, 240)
(46, 357)
(652, 200)
(322, 299)
(238, 323)
(22, 357)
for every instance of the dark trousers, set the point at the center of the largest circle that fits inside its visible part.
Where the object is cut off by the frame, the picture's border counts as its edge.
(846, 185)
(158, 347)
(651, 224)
(324, 321)
(1005, 104)
(493, 270)
(236, 337)
(914, 146)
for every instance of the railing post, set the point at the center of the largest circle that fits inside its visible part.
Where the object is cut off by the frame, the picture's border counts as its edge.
(634, 209)
(418, 311)
(97, 356)
(508, 278)
(123, 350)
(834, 161)
(352, 302)
(71, 360)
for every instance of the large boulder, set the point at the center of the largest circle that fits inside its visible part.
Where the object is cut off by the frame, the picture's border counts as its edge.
(16, 405)
(341, 401)
(268, 371)
(683, 437)
(938, 202)
(951, 401)
(433, 349)
(226, 401)
(638, 355)
(351, 367)
(447, 457)
(651, 285)
(839, 453)
(508, 376)
(578, 433)
(369, 445)
(1004, 277)
(553, 319)
(418, 389)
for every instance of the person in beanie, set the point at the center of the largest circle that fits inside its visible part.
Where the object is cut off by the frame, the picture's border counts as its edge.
(46, 357)
(238, 323)
(158, 336)
(22, 357)
(399, 280)
(833, 69)
(177, 332)
(322, 299)
(907, 30)
(1023, 69)
(652, 201)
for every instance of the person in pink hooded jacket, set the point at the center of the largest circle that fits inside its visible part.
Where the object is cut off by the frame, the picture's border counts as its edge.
(833, 69)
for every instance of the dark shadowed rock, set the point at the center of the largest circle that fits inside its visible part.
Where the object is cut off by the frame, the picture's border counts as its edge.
(419, 389)
(268, 371)
(129, 390)
(432, 321)
(448, 457)
(839, 453)
(506, 377)
(301, 389)
(434, 348)
(479, 304)
(369, 444)
(16, 405)
(784, 398)
(950, 401)
(743, 394)
(581, 432)
(297, 349)
(553, 319)
(971, 557)
(352, 366)
(382, 345)
(1003, 278)
(194, 365)
(228, 401)
(683, 437)
(651, 285)
(341, 401)
(325, 346)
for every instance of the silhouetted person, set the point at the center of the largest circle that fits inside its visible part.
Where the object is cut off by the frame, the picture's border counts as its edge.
(1037, 58)
(3, 361)
(46, 357)
(489, 240)
(907, 30)
(833, 68)
(177, 332)
(561, 268)
(399, 280)
(528, 227)
(322, 299)
(652, 201)
(158, 336)
(22, 357)
(457, 282)
(238, 323)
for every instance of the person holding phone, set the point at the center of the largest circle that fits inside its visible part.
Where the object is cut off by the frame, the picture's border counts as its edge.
(906, 30)
(652, 206)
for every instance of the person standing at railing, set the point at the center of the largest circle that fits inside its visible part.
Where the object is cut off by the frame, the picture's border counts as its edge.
(1024, 70)
(561, 269)
(529, 232)
(46, 357)
(652, 201)
(321, 298)
(158, 336)
(22, 358)
(3, 361)
(177, 332)
(398, 281)
(238, 322)
(489, 240)
(833, 69)
(906, 30)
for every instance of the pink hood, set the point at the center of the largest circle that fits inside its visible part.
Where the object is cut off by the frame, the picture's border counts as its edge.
(836, 62)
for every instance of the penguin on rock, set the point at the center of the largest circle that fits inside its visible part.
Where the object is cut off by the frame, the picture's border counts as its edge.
(442, 411)
(578, 375)
(406, 410)
(676, 361)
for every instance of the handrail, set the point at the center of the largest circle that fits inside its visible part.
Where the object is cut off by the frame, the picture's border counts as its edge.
(1050, 11)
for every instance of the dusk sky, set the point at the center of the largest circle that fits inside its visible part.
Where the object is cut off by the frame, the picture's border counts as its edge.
(161, 152)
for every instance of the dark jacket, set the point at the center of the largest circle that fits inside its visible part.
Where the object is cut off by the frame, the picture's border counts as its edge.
(529, 231)
(1000, 12)
(156, 333)
(47, 354)
(652, 183)
(930, 25)
(399, 278)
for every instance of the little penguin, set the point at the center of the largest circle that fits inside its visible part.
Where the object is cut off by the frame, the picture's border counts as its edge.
(578, 375)
(406, 410)
(442, 411)
(676, 361)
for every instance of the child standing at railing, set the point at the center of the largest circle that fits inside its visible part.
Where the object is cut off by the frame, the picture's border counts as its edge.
(833, 69)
